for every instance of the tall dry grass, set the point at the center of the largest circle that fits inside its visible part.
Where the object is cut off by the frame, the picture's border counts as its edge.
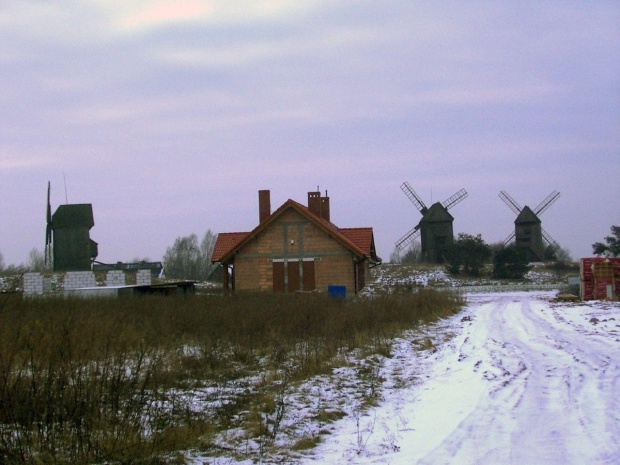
(112, 380)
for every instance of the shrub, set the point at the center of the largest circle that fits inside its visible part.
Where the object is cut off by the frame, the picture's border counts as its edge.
(510, 263)
(467, 253)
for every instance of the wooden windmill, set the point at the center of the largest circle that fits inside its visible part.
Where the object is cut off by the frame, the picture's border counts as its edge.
(435, 228)
(68, 246)
(528, 233)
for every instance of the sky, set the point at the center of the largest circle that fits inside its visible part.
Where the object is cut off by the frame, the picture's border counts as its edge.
(168, 117)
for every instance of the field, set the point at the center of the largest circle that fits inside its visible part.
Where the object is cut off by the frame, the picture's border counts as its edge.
(157, 380)
(211, 378)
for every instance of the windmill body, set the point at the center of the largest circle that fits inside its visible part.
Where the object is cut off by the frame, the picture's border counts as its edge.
(73, 248)
(528, 233)
(436, 232)
(435, 229)
(67, 237)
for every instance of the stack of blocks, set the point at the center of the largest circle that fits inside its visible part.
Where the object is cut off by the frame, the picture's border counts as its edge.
(600, 278)
(115, 278)
(79, 279)
(143, 278)
(37, 284)
(33, 283)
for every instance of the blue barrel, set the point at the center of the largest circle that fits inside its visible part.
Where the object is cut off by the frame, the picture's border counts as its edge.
(337, 292)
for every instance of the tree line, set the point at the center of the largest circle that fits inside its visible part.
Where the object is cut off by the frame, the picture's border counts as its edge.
(469, 254)
(190, 258)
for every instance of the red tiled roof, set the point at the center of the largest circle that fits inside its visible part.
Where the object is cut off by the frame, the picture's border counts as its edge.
(359, 240)
(225, 242)
(361, 237)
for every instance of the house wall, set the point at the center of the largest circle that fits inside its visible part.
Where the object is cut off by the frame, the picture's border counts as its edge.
(292, 236)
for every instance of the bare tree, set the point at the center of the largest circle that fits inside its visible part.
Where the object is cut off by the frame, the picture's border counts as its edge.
(187, 259)
(2, 265)
(36, 260)
(206, 250)
(411, 254)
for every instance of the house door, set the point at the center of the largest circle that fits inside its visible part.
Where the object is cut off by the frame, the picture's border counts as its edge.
(290, 275)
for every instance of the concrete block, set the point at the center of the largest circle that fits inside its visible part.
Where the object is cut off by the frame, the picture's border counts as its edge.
(143, 278)
(115, 278)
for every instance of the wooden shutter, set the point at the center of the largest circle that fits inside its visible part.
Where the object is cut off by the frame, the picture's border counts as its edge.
(293, 276)
(278, 276)
(308, 268)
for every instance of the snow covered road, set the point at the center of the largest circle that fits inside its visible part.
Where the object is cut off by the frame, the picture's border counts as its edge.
(524, 381)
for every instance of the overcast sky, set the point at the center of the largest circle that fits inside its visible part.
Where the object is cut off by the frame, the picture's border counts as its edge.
(169, 116)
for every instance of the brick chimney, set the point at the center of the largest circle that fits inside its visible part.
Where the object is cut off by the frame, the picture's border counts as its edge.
(319, 205)
(325, 207)
(314, 202)
(264, 205)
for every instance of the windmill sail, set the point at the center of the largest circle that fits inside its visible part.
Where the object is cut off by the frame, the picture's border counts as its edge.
(509, 238)
(542, 206)
(512, 203)
(414, 197)
(408, 238)
(48, 230)
(549, 240)
(456, 198)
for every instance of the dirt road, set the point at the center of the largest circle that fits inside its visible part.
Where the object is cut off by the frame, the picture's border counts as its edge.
(525, 381)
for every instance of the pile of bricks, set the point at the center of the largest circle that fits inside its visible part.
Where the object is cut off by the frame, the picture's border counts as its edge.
(79, 279)
(600, 278)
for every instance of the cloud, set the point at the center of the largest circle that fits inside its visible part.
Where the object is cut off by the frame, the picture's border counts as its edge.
(142, 16)
(10, 162)
(250, 51)
(156, 14)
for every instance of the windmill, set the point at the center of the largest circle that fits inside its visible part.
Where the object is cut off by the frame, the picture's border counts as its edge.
(68, 246)
(435, 227)
(528, 233)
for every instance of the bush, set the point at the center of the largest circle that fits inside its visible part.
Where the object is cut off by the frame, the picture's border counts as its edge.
(467, 253)
(510, 263)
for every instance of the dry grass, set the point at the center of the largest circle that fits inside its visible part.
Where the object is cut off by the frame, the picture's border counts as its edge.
(114, 380)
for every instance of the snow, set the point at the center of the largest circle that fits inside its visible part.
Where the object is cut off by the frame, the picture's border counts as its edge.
(517, 378)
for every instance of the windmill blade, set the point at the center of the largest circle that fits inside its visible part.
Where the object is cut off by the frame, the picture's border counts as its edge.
(509, 239)
(415, 198)
(549, 240)
(49, 206)
(456, 198)
(512, 203)
(408, 238)
(542, 206)
(48, 228)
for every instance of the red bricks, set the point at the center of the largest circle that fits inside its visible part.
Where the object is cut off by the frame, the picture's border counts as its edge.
(596, 275)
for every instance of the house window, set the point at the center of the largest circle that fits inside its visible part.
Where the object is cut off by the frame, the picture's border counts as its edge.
(290, 275)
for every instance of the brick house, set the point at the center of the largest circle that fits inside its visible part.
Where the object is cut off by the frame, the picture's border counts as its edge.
(295, 248)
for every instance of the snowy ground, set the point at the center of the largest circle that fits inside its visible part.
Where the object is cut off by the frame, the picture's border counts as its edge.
(523, 380)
